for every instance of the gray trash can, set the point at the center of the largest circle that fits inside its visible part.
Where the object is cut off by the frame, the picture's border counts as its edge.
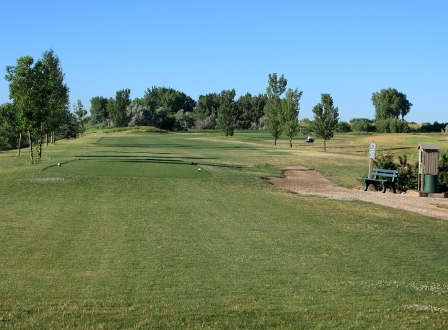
(431, 183)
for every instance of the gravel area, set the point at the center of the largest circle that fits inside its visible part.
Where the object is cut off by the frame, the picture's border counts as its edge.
(306, 182)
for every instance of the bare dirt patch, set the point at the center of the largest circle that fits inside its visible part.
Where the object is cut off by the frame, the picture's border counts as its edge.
(306, 182)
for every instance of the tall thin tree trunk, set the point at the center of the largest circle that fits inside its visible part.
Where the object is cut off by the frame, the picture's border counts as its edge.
(275, 141)
(41, 139)
(19, 141)
(290, 142)
(46, 139)
(325, 145)
(30, 141)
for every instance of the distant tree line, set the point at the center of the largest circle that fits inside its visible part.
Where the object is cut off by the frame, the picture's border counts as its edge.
(39, 110)
(169, 109)
(391, 125)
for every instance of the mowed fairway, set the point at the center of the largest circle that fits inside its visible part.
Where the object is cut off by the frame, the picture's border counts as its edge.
(132, 235)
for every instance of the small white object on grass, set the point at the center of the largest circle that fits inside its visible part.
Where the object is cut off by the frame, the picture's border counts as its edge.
(59, 164)
(199, 169)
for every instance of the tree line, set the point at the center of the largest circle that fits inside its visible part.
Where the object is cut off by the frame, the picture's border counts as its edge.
(40, 109)
(277, 110)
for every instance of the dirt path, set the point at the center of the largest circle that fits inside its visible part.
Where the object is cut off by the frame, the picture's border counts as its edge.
(306, 182)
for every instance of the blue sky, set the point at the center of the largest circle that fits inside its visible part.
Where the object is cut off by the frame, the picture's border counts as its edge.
(347, 48)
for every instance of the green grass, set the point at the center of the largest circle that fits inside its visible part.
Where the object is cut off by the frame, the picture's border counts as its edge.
(132, 236)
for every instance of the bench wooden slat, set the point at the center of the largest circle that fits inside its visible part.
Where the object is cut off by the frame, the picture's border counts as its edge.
(388, 180)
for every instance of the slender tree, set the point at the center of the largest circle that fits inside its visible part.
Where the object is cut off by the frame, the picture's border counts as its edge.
(98, 110)
(290, 113)
(55, 96)
(117, 108)
(24, 91)
(80, 114)
(276, 87)
(326, 117)
(226, 112)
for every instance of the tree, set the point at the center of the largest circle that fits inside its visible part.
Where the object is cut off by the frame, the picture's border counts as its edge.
(24, 90)
(11, 122)
(226, 112)
(139, 115)
(183, 120)
(250, 109)
(276, 87)
(117, 108)
(343, 127)
(39, 95)
(169, 99)
(98, 110)
(361, 125)
(69, 127)
(326, 117)
(56, 96)
(390, 103)
(80, 114)
(290, 113)
(207, 105)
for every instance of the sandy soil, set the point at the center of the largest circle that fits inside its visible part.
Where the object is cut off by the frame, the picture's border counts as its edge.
(306, 182)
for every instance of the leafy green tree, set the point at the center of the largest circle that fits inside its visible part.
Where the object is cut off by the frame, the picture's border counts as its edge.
(250, 109)
(80, 114)
(276, 87)
(226, 112)
(390, 103)
(361, 125)
(326, 117)
(169, 99)
(69, 127)
(12, 126)
(392, 125)
(290, 113)
(56, 96)
(98, 110)
(25, 91)
(343, 127)
(117, 108)
(207, 105)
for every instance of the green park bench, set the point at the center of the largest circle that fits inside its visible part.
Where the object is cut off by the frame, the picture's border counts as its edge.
(386, 177)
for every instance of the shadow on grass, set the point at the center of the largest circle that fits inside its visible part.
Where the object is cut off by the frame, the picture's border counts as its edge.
(153, 160)
(181, 146)
(87, 157)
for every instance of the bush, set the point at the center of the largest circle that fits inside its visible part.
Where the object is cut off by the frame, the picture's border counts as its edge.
(407, 174)
(343, 127)
(207, 123)
(361, 125)
(443, 171)
(386, 162)
(392, 125)
(436, 127)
